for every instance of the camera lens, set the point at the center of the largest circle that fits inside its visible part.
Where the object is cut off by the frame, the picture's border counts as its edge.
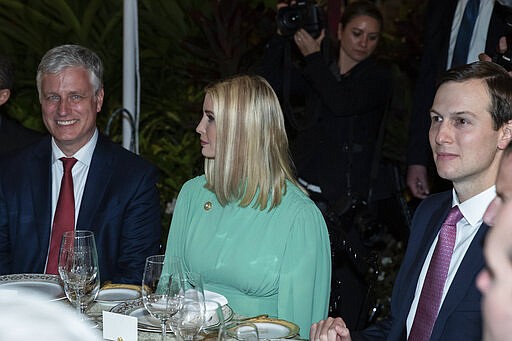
(292, 19)
(289, 20)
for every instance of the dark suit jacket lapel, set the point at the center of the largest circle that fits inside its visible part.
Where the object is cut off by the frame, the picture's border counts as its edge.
(448, 12)
(472, 263)
(100, 172)
(437, 35)
(39, 171)
(430, 230)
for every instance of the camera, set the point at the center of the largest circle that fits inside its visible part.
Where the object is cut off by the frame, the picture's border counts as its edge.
(302, 14)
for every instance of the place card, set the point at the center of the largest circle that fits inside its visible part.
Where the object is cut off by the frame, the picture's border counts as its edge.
(119, 327)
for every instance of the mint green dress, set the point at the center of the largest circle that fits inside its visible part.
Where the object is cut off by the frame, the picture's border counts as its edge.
(265, 262)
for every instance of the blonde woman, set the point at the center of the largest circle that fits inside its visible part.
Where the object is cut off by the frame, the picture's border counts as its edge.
(246, 225)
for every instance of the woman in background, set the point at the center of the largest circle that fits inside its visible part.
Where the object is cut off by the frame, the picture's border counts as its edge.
(246, 225)
(342, 101)
(336, 105)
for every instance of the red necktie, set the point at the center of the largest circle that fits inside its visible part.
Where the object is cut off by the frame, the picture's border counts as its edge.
(432, 291)
(64, 218)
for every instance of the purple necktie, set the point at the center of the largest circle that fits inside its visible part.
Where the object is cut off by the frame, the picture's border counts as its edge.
(432, 291)
(64, 218)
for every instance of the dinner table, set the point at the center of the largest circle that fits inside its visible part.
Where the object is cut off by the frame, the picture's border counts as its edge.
(126, 299)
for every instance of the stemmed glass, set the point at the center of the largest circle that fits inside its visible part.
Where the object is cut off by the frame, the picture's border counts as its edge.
(162, 292)
(78, 269)
(214, 320)
(189, 320)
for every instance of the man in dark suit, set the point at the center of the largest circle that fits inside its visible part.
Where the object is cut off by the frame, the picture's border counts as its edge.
(471, 126)
(13, 135)
(442, 22)
(114, 191)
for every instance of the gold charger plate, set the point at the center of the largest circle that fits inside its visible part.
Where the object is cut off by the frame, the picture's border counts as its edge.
(113, 294)
(272, 328)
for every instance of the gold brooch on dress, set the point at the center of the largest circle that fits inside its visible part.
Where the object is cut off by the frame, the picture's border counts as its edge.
(207, 206)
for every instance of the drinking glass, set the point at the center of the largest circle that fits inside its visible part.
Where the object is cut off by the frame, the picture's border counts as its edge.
(214, 320)
(162, 291)
(189, 320)
(78, 269)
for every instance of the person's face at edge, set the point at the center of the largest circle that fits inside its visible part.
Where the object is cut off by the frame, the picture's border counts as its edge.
(69, 107)
(462, 136)
(495, 281)
(359, 39)
(207, 129)
(503, 190)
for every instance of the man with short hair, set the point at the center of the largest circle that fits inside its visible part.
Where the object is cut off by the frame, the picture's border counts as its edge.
(434, 296)
(76, 179)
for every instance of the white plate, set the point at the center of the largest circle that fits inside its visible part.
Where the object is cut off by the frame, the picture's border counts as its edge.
(116, 294)
(149, 323)
(270, 328)
(47, 285)
(213, 296)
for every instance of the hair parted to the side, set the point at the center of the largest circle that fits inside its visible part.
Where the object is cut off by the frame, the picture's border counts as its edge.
(497, 81)
(66, 56)
(251, 152)
(359, 8)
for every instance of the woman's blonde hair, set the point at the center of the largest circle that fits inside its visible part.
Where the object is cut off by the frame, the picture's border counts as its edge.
(251, 151)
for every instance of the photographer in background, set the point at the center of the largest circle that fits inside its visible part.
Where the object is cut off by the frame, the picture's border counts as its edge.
(13, 135)
(344, 98)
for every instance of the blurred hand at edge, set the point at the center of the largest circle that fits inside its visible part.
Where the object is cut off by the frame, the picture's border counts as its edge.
(502, 48)
(417, 181)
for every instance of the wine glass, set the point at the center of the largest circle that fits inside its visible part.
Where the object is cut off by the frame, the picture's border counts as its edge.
(78, 269)
(189, 320)
(162, 292)
(214, 320)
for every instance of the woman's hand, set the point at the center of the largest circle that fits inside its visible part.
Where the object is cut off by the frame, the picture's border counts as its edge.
(306, 43)
(331, 329)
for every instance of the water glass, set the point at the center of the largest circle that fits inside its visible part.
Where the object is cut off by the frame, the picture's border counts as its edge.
(78, 269)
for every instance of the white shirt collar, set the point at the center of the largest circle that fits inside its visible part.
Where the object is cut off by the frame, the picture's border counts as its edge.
(474, 208)
(83, 155)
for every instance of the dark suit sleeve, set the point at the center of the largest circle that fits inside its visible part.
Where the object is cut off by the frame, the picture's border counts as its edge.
(378, 331)
(141, 232)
